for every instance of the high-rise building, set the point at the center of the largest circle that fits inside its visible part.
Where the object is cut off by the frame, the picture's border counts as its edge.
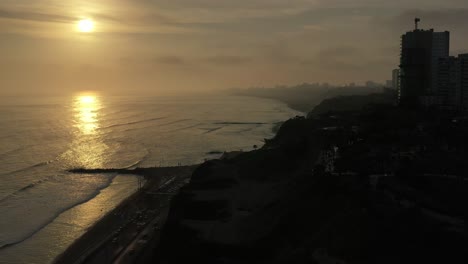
(419, 61)
(389, 83)
(462, 81)
(447, 83)
(452, 82)
(396, 79)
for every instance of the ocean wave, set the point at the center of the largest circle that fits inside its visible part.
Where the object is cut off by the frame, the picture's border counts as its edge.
(43, 106)
(240, 123)
(13, 194)
(119, 117)
(40, 164)
(40, 200)
(8, 242)
(246, 130)
(165, 124)
(7, 136)
(184, 128)
(36, 183)
(175, 122)
(134, 122)
(212, 130)
(136, 128)
(138, 162)
(13, 151)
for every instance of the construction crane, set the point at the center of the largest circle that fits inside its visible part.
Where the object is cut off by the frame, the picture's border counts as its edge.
(416, 22)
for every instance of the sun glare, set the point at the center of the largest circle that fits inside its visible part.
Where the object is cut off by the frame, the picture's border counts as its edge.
(85, 25)
(89, 99)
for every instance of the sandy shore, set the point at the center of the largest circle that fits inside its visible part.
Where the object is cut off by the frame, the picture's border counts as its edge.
(133, 226)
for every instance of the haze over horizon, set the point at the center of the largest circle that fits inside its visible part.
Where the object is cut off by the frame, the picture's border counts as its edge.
(170, 46)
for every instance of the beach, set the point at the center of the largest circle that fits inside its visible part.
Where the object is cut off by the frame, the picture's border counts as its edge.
(56, 207)
(132, 228)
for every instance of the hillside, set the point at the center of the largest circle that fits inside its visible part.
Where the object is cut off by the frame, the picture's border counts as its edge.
(372, 184)
(304, 97)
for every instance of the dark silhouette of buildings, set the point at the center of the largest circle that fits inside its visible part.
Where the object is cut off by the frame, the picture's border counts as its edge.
(420, 53)
(453, 82)
(446, 81)
(462, 79)
(396, 79)
(428, 75)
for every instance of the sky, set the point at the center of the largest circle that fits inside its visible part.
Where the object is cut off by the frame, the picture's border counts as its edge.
(173, 46)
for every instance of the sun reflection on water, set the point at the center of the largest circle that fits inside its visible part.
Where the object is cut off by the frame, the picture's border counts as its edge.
(86, 109)
(87, 149)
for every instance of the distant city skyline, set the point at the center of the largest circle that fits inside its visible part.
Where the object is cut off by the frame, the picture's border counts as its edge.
(164, 47)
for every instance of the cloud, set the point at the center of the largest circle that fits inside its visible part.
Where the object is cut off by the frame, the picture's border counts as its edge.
(448, 18)
(170, 60)
(35, 16)
(228, 60)
(152, 60)
(223, 42)
(218, 60)
(453, 20)
(23, 14)
(226, 4)
(339, 51)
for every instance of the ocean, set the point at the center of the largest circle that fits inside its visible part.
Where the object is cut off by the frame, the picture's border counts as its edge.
(43, 208)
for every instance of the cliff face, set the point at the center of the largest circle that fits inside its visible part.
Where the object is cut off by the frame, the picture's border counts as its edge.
(338, 188)
(305, 96)
(259, 206)
(349, 103)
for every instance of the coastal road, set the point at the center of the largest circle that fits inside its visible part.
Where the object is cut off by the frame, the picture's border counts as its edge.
(129, 241)
(141, 247)
(126, 232)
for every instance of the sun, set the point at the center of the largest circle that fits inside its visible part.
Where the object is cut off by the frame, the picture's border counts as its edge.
(85, 25)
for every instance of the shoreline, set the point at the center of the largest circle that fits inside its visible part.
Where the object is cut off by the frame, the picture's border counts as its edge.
(80, 250)
(118, 228)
